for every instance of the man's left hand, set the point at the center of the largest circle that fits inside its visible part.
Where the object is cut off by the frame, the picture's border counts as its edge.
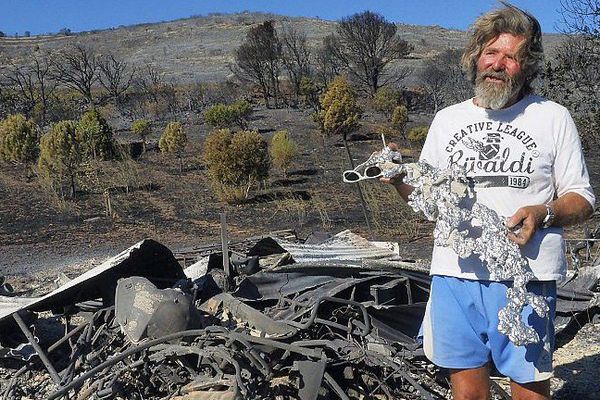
(523, 224)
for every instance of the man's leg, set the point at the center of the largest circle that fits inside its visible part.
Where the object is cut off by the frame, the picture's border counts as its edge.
(471, 384)
(530, 391)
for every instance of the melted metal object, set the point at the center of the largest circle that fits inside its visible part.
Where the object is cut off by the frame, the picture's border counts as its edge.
(437, 194)
(387, 163)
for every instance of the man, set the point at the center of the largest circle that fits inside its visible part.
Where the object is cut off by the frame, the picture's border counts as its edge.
(524, 157)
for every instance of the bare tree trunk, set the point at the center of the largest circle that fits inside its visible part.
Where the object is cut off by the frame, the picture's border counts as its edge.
(72, 186)
(363, 203)
(107, 203)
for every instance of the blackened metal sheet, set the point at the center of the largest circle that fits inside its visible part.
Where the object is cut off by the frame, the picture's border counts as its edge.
(399, 323)
(311, 376)
(270, 285)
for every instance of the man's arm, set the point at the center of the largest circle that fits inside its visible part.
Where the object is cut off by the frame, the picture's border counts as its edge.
(402, 188)
(570, 208)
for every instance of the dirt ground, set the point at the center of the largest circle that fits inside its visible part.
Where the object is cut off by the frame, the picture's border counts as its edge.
(38, 230)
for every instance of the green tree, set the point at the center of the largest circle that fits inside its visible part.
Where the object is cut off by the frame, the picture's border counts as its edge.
(95, 136)
(61, 155)
(173, 140)
(235, 162)
(143, 129)
(283, 150)
(219, 116)
(339, 113)
(309, 92)
(19, 140)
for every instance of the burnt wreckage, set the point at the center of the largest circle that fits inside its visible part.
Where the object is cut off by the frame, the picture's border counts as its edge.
(269, 317)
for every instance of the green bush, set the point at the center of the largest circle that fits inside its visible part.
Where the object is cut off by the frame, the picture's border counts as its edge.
(283, 150)
(235, 162)
(142, 128)
(219, 116)
(386, 100)
(225, 115)
(242, 110)
(173, 140)
(61, 155)
(418, 134)
(19, 140)
(400, 117)
(95, 136)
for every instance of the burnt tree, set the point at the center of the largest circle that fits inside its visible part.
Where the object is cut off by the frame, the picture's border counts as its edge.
(367, 45)
(77, 68)
(295, 58)
(258, 60)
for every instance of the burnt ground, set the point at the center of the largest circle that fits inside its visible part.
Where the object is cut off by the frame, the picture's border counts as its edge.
(39, 230)
(42, 235)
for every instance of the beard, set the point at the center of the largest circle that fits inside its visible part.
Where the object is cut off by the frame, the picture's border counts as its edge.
(496, 95)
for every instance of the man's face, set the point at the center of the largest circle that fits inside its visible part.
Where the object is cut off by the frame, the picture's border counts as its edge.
(499, 79)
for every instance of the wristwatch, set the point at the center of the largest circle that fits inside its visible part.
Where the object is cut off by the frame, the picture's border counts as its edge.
(549, 218)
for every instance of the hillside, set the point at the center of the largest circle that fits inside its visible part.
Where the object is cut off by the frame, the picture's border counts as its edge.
(202, 48)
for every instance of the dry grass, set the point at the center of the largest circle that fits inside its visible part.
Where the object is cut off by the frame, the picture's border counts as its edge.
(389, 213)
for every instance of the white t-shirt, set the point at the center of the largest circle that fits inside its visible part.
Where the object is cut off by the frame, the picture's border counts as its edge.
(526, 154)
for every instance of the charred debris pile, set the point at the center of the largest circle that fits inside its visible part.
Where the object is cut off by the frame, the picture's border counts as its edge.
(267, 318)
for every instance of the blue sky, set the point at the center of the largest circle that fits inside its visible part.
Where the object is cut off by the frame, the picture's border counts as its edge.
(42, 16)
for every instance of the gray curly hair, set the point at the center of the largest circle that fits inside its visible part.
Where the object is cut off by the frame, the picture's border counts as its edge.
(508, 19)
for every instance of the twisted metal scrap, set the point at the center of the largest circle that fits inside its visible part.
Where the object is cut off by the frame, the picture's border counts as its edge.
(437, 194)
(388, 160)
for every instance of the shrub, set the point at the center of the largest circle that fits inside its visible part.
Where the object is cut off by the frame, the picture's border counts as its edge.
(19, 140)
(418, 134)
(283, 150)
(387, 131)
(400, 118)
(61, 154)
(235, 162)
(386, 100)
(142, 128)
(219, 116)
(224, 115)
(95, 136)
(173, 140)
(242, 110)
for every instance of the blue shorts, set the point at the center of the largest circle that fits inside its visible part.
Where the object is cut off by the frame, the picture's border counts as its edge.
(460, 328)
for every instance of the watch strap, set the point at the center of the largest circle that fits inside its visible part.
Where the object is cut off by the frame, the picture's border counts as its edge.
(549, 218)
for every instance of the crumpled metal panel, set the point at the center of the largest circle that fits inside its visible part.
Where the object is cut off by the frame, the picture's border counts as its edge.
(146, 258)
(575, 295)
(343, 246)
(143, 311)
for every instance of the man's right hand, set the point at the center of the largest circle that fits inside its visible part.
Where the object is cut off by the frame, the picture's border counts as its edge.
(398, 181)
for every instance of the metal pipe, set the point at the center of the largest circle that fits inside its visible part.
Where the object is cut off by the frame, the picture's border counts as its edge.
(53, 374)
(225, 251)
(313, 315)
